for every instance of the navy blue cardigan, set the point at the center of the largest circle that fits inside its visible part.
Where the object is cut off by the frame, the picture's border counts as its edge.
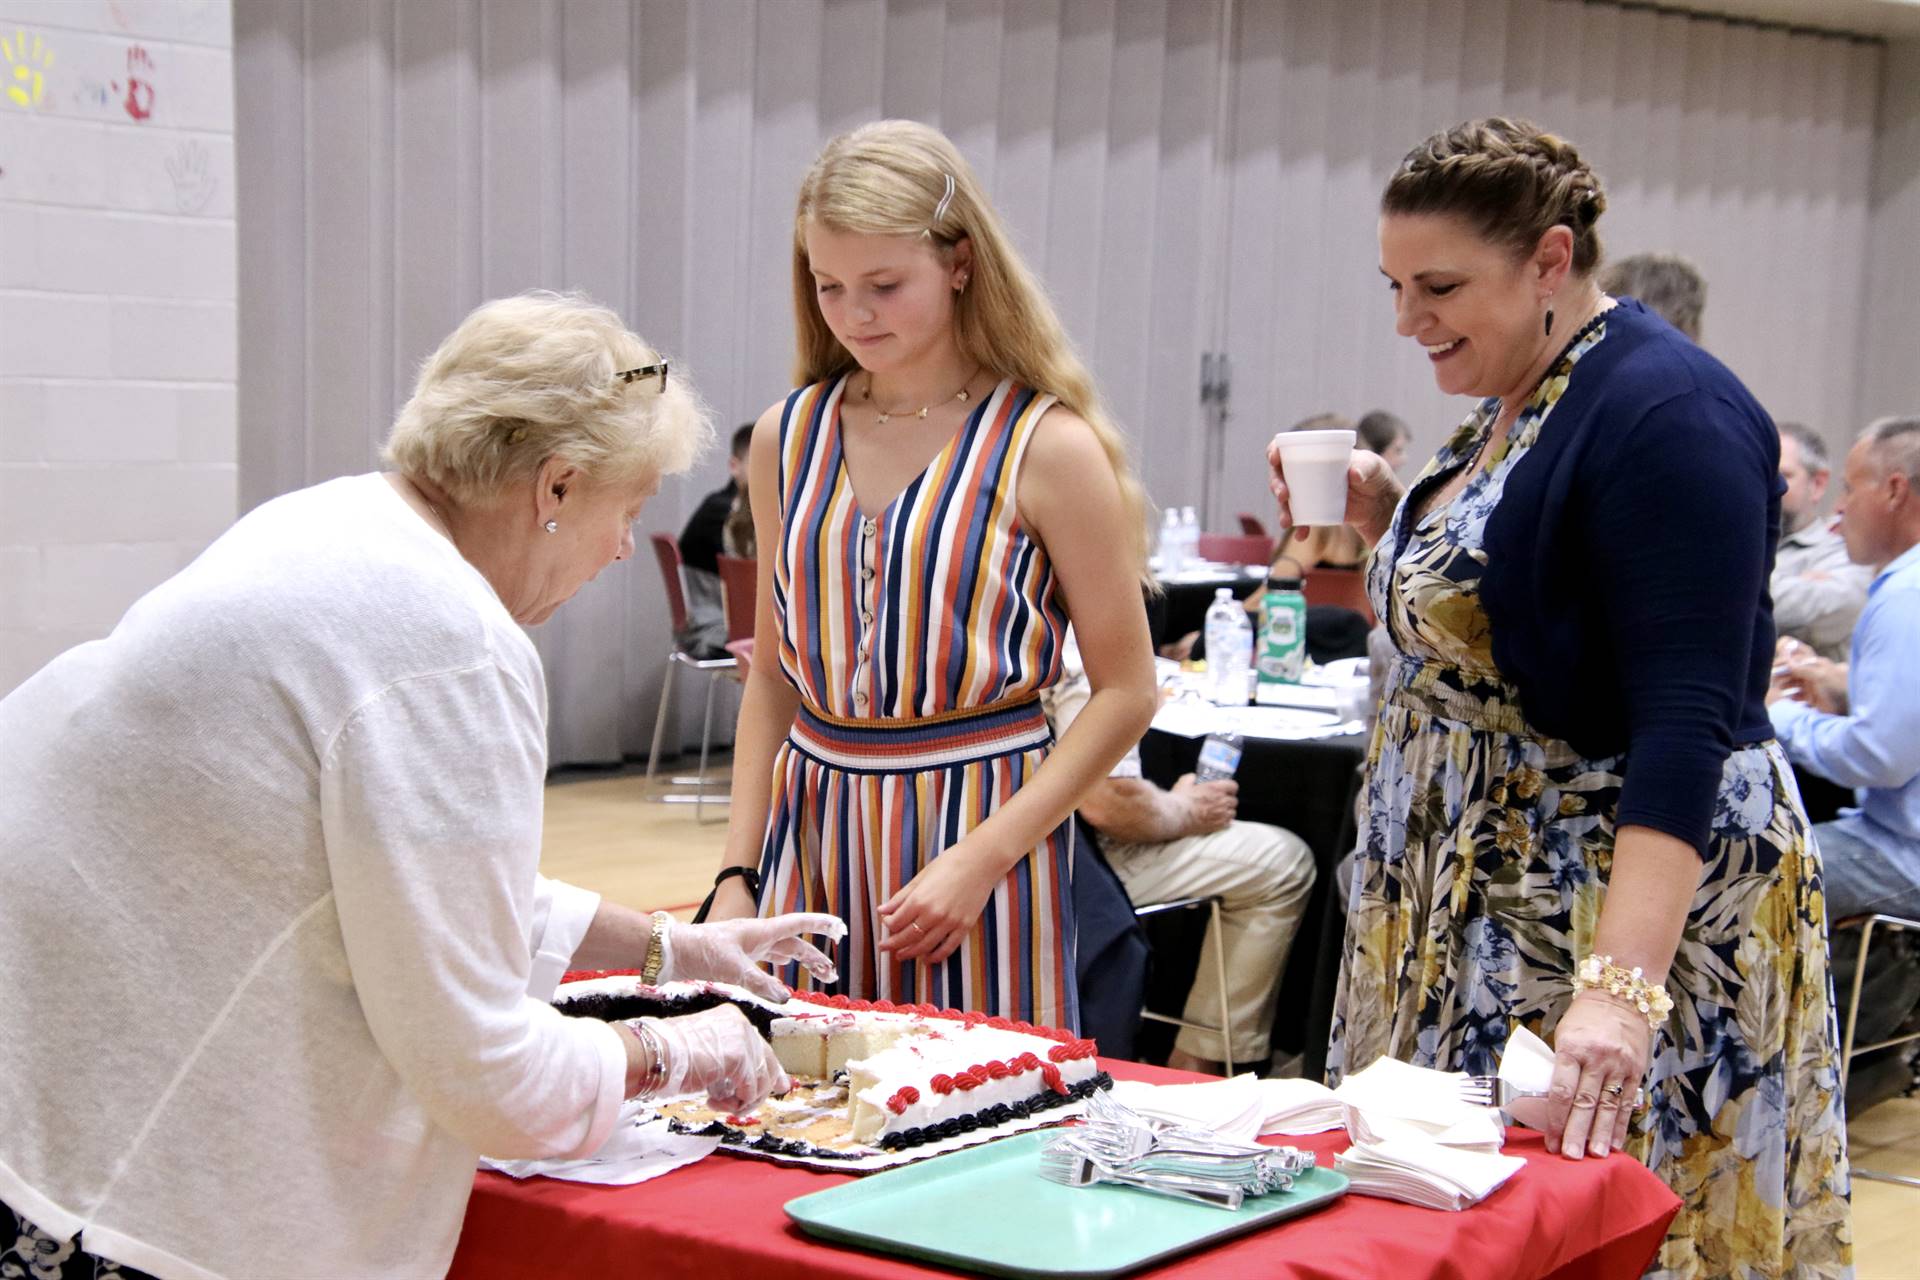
(1627, 567)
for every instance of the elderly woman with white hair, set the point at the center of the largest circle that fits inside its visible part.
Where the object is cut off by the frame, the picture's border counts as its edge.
(275, 955)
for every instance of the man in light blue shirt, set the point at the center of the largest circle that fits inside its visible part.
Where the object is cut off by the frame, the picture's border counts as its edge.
(1859, 724)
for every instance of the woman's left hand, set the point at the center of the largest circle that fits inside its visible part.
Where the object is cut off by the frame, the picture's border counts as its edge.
(732, 950)
(1601, 1051)
(933, 913)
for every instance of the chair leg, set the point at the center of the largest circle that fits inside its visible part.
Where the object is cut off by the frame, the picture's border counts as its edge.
(1220, 976)
(706, 739)
(1853, 1007)
(660, 723)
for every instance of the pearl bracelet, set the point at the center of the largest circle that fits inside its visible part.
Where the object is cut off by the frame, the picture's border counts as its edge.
(1600, 973)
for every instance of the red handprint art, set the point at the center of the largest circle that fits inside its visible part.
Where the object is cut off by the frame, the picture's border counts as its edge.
(139, 102)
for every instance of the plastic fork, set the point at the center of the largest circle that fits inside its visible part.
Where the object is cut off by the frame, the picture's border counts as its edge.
(1492, 1091)
(1073, 1168)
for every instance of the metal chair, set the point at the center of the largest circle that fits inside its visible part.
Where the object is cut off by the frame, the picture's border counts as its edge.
(1866, 925)
(667, 552)
(1236, 548)
(739, 578)
(1225, 1027)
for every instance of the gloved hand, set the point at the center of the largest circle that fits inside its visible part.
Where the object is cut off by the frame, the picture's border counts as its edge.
(719, 1051)
(727, 951)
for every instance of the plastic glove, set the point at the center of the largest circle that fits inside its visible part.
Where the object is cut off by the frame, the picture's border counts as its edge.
(728, 950)
(719, 1051)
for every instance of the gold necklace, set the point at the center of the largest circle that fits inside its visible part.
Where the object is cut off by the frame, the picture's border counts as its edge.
(886, 415)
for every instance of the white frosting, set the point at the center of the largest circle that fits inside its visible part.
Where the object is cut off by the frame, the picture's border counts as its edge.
(952, 1049)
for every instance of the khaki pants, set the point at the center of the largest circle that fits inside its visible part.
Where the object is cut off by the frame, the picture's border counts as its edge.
(1262, 875)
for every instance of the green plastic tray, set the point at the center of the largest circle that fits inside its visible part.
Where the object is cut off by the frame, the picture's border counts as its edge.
(988, 1209)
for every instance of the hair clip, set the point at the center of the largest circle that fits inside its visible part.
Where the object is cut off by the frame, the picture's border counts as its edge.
(940, 210)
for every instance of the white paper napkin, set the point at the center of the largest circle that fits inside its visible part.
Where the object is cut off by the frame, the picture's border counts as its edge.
(1231, 1108)
(1391, 1099)
(640, 1147)
(1425, 1173)
(1297, 1107)
(1242, 1108)
(1527, 1064)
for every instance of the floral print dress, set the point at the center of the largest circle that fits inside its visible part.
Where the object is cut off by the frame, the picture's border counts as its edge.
(1485, 862)
(35, 1255)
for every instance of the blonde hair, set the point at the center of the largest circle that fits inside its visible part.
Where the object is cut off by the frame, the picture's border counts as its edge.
(899, 177)
(1510, 180)
(533, 377)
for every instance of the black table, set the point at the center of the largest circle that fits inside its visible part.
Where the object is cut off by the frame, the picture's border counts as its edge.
(1307, 787)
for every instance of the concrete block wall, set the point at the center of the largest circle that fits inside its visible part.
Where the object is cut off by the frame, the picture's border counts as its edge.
(118, 337)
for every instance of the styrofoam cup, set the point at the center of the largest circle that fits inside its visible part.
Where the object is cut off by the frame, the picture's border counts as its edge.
(1314, 465)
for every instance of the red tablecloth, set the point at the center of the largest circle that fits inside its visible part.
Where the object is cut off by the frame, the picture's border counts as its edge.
(723, 1217)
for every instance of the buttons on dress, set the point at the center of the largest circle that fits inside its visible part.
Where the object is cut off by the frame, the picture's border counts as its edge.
(863, 652)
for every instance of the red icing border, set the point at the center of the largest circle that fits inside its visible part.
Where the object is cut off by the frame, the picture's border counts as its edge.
(588, 975)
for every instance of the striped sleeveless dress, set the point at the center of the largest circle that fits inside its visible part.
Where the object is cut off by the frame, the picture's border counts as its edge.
(918, 637)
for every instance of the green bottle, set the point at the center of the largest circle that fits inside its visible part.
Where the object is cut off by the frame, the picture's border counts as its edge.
(1283, 632)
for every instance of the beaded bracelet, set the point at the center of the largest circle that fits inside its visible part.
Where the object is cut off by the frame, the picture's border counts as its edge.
(1600, 973)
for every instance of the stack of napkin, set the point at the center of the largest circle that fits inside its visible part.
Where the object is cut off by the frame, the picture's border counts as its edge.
(1240, 1109)
(1393, 1100)
(1415, 1140)
(1425, 1173)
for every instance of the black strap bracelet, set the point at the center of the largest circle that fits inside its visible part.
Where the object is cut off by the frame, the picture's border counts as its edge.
(750, 874)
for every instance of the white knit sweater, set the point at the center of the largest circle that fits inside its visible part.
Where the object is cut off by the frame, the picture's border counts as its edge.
(273, 945)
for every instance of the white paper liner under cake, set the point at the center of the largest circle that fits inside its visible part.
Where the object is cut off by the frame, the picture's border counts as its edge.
(876, 1158)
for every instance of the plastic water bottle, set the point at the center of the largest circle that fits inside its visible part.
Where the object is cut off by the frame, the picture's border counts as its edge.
(1229, 649)
(1189, 537)
(1219, 757)
(1172, 556)
(1283, 632)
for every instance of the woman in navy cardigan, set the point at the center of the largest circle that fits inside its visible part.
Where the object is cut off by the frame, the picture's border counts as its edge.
(1577, 819)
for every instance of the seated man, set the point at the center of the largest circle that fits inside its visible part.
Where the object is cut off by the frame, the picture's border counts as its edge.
(701, 543)
(1859, 724)
(1817, 591)
(1185, 843)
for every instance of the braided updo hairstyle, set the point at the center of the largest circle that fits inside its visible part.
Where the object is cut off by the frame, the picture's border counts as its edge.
(1507, 179)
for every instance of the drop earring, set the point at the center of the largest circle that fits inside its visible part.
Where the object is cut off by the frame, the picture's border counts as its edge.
(552, 526)
(1549, 322)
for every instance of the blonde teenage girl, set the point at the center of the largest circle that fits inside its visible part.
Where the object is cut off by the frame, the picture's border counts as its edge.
(940, 495)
